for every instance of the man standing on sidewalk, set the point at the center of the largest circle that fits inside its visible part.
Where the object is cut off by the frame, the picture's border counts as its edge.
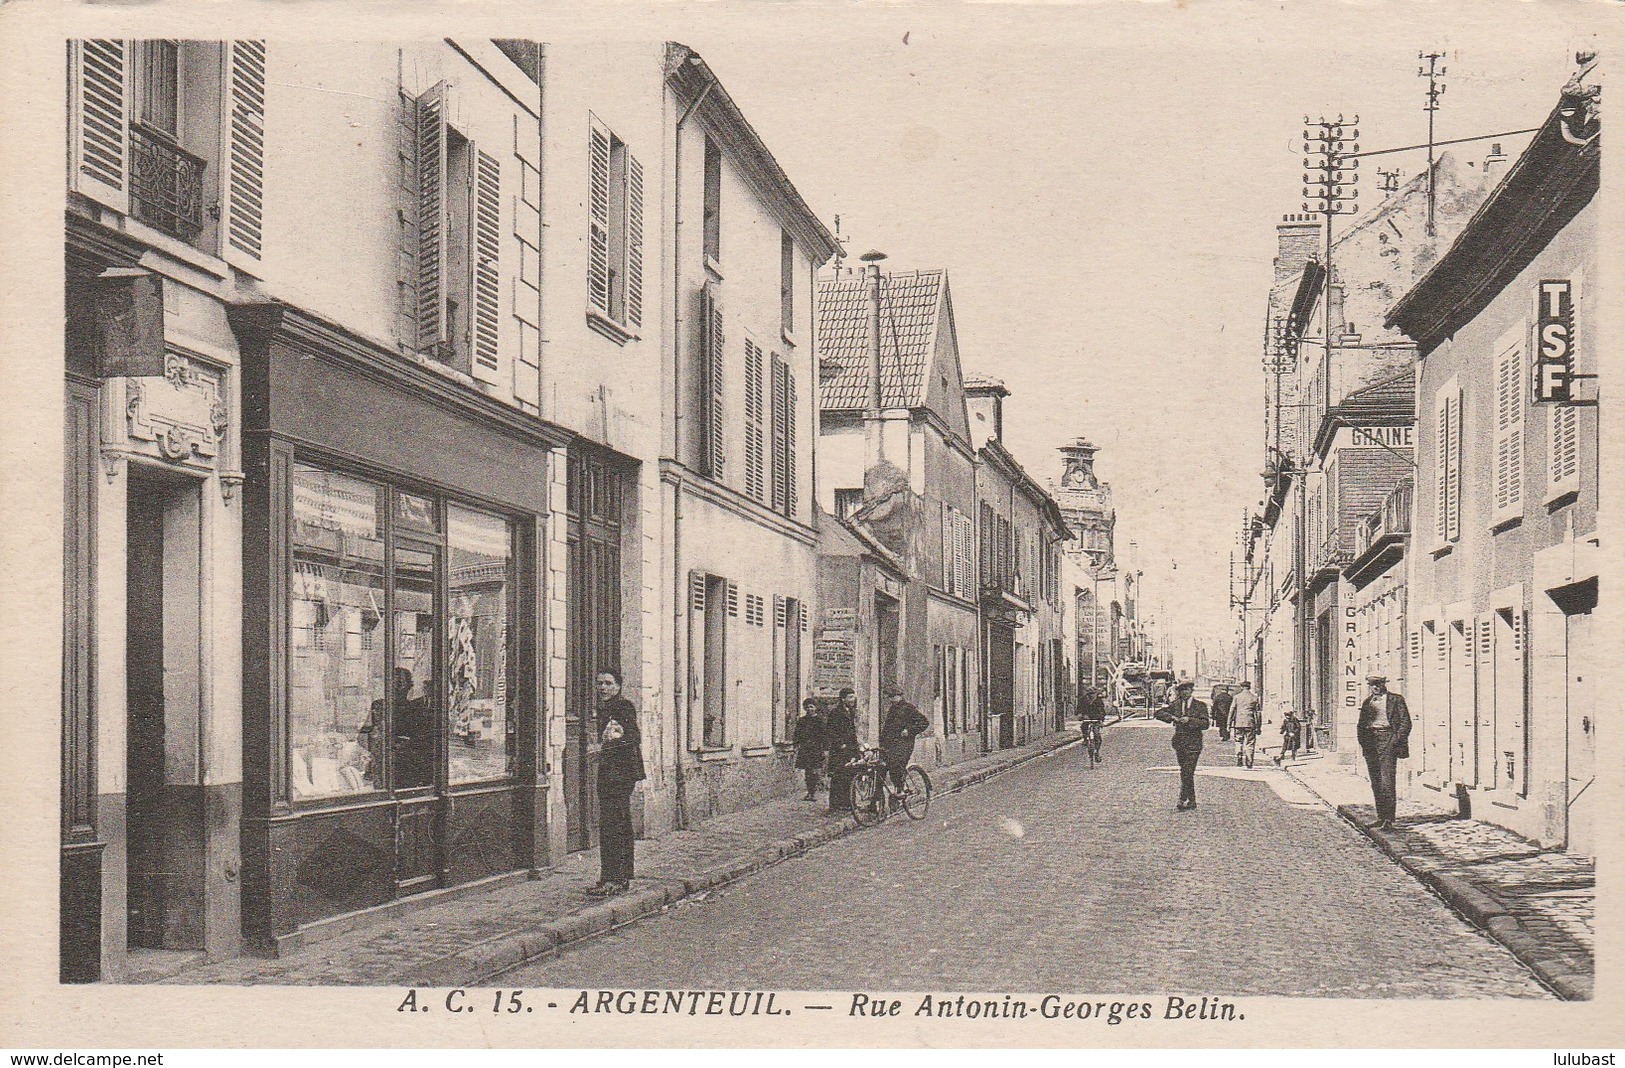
(1245, 721)
(1221, 711)
(1384, 731)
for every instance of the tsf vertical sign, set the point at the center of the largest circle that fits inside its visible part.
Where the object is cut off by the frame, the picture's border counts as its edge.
(1554, 341)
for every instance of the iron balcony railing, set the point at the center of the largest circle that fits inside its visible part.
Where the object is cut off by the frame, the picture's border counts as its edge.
(166, 183)
(1393, 518)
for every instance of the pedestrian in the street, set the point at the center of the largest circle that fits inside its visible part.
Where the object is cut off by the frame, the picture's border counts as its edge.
(620, 769)
(1310, 718)
(1245, 719)
(1384, 730)
(1190, 718)
(1221, 711)
(841, 742)
(809, 744)
(1291, 736)
(898, 729)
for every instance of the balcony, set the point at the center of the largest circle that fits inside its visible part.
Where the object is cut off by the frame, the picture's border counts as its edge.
(1326, 560)
(166, 183)
(1379, 540)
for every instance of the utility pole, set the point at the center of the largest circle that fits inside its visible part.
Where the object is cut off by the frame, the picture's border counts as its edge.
(1330, 188)
(1434, 73)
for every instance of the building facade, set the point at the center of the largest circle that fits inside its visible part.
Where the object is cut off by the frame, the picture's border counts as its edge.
(1503, 572)
(1090, 564)
(896, 464)
(372, 465)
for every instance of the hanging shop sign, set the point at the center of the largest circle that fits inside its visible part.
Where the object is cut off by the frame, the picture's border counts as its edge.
(1554, 341)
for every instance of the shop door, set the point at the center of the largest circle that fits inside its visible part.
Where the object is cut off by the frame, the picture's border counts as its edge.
(594, 612)
(418, 720)
(1582, 718)
(1001, 685)
(1463, 716)
(1326, 678)
(886, 630)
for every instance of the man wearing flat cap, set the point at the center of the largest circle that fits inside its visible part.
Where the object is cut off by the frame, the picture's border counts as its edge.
(1190, 719)
(1384, 731)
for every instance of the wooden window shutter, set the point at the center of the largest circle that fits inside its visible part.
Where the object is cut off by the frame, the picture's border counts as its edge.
(696, 591)
(433, 223)
(1453, 484)
(634, 241)
(245, 176)
(733, 601)
(101, 101)
(487, 261)
(783, 461)
(598, 202)
(755, 390)
(712, 368)
(792, 495)
(779, 615)
(947, 546)
(1509, 430)
(1564, 447)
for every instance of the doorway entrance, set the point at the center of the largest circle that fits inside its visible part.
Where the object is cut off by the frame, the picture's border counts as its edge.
(594, 502)
(163, 695)
(1001, 685)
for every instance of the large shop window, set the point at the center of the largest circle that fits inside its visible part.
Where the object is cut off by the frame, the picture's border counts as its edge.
(481, 591)
(335, 640)
(366, 700)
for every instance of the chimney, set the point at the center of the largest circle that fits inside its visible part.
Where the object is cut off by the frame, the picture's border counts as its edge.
(1298, 239)
(1495, 162)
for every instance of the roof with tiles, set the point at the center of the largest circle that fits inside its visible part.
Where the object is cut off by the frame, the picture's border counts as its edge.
(910, 304)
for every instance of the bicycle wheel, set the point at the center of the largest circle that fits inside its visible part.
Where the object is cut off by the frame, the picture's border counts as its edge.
(865, 809)
(916, 792)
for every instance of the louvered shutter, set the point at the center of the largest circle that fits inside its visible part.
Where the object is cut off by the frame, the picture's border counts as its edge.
(634, 241)
(755, 390)
(696, 658)
(433, 224)
(1441, 467)
(101, 98)
(967, 536)
(1453, 485)
(780, 483)
(245, 175)
(598, 231)
(1509, 430)
(792, 493)
(1564, 446)
(733, 601)
(712, 368)
(947, 546)
(487, 251)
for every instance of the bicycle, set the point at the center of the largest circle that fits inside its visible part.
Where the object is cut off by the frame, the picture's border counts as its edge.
(1091, 740)
(873, 795)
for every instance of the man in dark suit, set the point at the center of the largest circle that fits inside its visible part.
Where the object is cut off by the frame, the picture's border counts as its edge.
(902, 723)
(1384, 731)
(1221, 711)
(1189, 717)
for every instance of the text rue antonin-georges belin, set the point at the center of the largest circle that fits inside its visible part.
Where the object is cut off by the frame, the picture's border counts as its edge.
(768, 1003)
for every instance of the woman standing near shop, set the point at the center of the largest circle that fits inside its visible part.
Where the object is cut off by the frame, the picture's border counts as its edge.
(620, 769)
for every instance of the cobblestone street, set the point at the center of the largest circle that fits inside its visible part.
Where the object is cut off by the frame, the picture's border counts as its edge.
(1056, 876)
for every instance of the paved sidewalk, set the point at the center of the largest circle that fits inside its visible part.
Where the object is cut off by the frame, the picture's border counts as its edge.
(461, 942)
(1539, 903)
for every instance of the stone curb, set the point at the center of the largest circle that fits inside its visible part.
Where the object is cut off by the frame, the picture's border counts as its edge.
(1480, 907)
(476, 963)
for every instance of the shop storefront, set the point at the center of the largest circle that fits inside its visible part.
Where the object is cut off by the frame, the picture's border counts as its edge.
(393, 739)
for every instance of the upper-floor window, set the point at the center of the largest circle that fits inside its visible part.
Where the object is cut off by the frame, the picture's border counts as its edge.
(173, 133)
(848, 501)
(158, 85)
(615, 230)
(713, 201)
(787, 283)
(459, 241)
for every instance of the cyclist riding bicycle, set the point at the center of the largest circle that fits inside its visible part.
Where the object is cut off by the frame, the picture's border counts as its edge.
(902, 723)
(1092, 713)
